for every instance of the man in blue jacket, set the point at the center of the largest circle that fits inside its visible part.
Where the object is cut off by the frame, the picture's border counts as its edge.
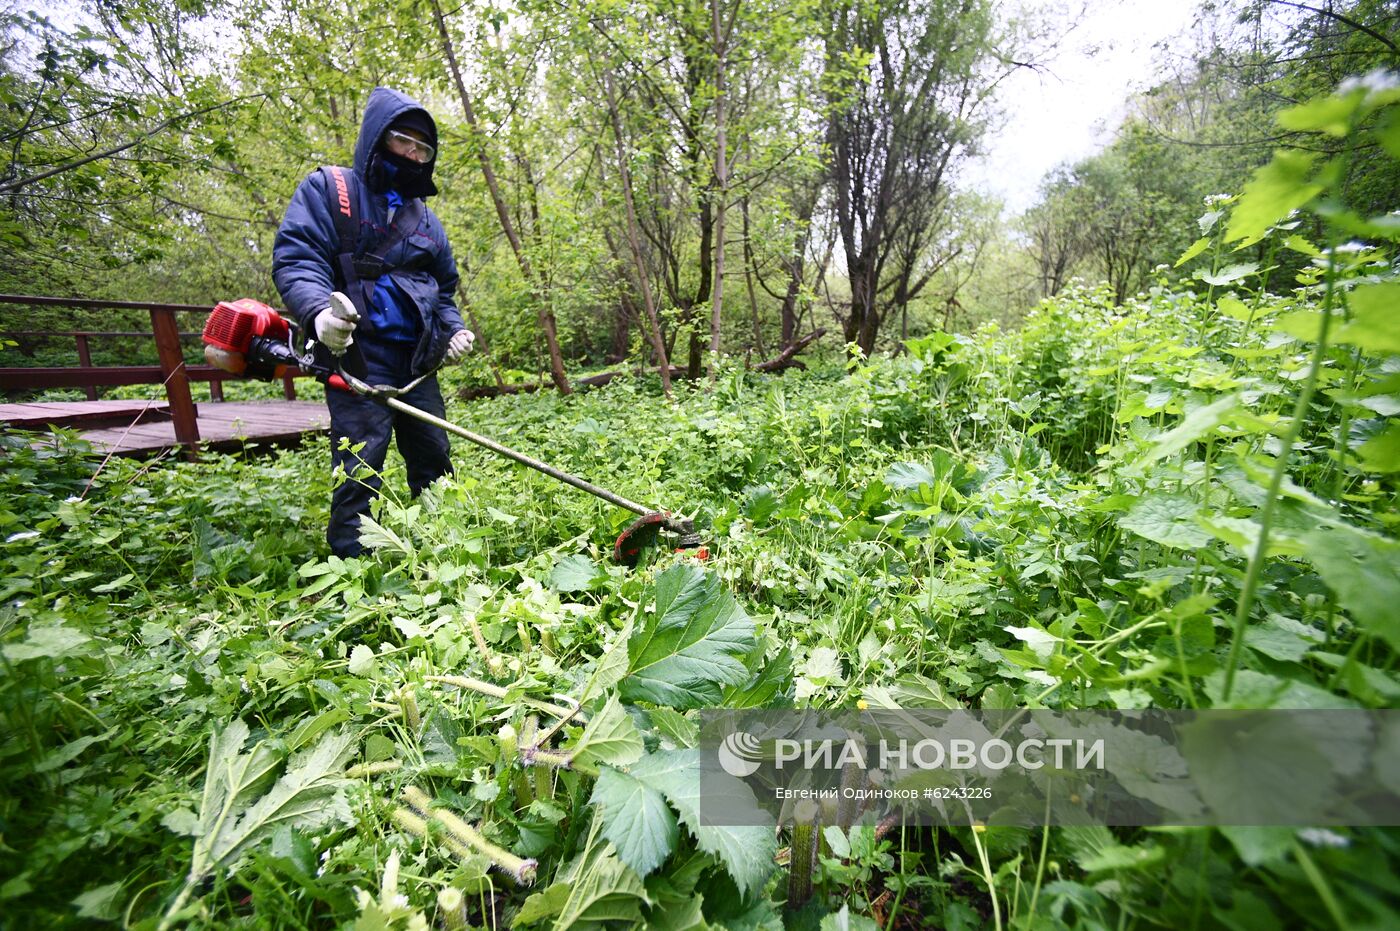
(405, 321)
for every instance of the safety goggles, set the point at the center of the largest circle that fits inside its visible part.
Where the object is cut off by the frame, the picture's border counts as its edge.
(409, 147)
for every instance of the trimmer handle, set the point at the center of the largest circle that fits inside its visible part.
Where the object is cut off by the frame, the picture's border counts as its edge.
(344, 308)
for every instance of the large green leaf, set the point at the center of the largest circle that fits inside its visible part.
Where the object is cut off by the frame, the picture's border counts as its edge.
(1229, 274)
(1329, 114)
(601, 888)
(1219, 751)
(1375, 318)
(1363, 569)
(1275, 191)
(612, 666)
(692, 646)
(746, 851)
(1242, 533)
(1257, 845)
(543, 904)
(636, 820)
(610, 738)
(1195, 249)
(306, 796)
(1166, 519)
(770, 678)
(52, 642)
(1381, 453)
(239, 810)
(573, 573)
(1198, 424)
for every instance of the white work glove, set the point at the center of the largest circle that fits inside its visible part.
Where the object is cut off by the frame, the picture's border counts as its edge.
(460, 345)
(335, 326)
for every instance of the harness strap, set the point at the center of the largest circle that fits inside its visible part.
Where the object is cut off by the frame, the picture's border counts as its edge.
(358, 272)
(369, 267)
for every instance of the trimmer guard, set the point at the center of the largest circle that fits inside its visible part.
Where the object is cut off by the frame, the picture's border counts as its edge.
(645, 531)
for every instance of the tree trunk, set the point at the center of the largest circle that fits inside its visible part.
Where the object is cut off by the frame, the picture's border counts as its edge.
(797, 264)
(696, 78)
(721, 182)
(545, 314)
(634, 240)
(621, 332)
(749, 273)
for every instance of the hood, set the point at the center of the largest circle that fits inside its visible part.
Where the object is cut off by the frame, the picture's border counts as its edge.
(385, 106)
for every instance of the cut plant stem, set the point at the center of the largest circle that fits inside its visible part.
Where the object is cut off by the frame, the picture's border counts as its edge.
(977, 830)
(803, 854)
(408, 703)
(544, 783)
(365, 770)
(544, 759)
(502, 693)
(452, 907)
(1044, 849)
(493, 662)
(413, 824)
(521, 870)
(1320, 885)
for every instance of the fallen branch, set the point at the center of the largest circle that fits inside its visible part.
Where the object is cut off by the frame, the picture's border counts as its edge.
(785, 358)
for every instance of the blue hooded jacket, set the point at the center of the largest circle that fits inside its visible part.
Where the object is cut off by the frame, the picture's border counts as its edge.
(424, 273)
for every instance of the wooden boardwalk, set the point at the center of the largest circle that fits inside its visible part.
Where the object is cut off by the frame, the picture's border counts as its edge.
(142, 428)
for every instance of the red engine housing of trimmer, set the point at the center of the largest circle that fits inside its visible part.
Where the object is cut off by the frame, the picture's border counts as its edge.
(233, 324)
(247, 337)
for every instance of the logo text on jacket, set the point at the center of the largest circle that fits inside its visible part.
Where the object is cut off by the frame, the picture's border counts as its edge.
(342, 190)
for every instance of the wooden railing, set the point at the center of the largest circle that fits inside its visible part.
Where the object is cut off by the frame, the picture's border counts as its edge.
(172, 372)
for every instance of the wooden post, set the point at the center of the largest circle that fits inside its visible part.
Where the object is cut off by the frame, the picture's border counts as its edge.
(177, 382)
(289, 387)
(216, 389)
(85, 360)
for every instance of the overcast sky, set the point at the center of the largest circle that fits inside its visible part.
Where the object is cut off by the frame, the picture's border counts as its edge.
(1070, 109)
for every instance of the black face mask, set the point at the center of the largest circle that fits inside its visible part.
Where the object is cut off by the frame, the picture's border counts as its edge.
(409, 178)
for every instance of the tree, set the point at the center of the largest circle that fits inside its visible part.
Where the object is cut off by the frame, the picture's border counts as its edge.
(1055, 229)
(909, 83)
(1202, 130)
(545, 314)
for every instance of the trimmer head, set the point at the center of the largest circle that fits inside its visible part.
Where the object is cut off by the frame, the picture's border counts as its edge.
(645, 532)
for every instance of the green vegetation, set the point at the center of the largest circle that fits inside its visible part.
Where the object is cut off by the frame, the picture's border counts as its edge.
(1182, 500)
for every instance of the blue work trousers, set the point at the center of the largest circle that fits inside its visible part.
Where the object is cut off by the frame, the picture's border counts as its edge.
(424, 447)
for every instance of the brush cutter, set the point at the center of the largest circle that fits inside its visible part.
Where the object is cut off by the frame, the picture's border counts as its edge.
(245, 337)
